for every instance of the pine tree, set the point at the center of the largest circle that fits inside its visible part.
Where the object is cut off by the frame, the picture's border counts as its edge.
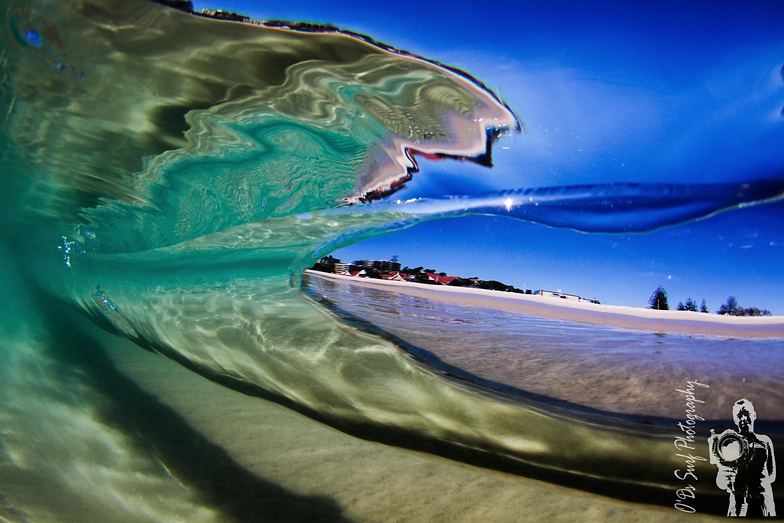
(690, 305)
(731, 307)
(704, 306)
(659, 300)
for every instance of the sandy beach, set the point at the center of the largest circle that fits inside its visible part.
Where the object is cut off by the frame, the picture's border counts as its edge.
(671, 322)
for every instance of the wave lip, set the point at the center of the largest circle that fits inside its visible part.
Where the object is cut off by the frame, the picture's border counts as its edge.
(237, 122)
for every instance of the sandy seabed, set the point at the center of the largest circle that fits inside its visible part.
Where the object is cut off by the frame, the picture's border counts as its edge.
(366, 481)
(674, 322)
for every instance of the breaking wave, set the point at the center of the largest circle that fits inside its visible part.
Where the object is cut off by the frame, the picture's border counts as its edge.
(172, 176)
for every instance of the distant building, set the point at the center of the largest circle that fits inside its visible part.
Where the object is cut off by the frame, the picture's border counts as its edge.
(390, 271)
(223, 15)
(386, 265)
(440, 278)
(379, 265)
(393, 276)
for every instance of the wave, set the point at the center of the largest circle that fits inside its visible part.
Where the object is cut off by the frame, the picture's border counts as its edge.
(171, 176)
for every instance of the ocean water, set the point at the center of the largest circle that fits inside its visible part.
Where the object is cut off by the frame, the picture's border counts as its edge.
(607, 370)
(167, 179)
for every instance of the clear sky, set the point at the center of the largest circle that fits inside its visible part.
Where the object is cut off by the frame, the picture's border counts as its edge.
(681, 92)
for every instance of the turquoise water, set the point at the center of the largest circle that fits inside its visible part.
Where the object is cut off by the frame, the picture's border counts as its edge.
(170, 177)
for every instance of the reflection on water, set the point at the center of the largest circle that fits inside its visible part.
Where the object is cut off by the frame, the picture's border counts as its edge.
(170, 177)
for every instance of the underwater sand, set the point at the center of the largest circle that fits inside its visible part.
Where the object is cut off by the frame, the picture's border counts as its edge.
(367, 481)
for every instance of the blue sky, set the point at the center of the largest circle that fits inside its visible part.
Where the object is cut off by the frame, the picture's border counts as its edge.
(609, 92)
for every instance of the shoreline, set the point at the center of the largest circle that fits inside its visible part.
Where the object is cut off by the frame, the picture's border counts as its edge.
(656, 321)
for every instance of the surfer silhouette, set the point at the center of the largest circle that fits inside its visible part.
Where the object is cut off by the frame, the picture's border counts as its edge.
(746, 463)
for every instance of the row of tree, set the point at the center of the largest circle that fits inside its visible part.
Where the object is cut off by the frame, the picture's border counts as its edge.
(659, 301)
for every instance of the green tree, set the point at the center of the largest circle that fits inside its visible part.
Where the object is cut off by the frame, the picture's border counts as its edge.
(658, 300)
(690, 305)
(731, 307)
(704, 306)
(754, 311)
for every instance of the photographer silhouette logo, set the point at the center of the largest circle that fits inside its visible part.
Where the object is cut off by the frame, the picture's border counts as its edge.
(746, 463)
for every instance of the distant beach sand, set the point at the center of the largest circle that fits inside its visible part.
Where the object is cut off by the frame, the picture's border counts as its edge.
(674, 322)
